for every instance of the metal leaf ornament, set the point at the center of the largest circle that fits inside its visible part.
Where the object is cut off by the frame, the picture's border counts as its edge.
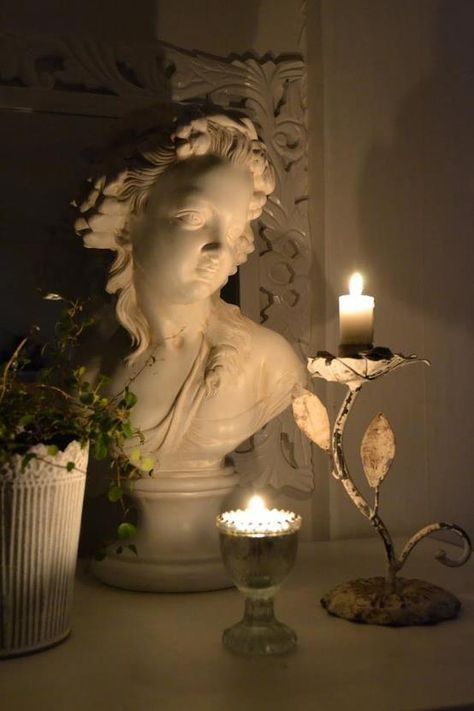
(311, 417)
(377, 450)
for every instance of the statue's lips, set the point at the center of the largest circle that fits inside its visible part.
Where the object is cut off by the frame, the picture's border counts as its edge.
(208, 267)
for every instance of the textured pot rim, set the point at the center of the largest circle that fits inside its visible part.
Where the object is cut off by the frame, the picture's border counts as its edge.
(45, 464)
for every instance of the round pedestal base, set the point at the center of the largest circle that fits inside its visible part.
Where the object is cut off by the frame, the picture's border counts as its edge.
(271, 638)
(177, 542)
(156, 575)
(370, 601)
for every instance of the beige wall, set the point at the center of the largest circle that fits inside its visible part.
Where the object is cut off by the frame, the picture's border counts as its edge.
(398, 184)
(220, 27)
(223, 27)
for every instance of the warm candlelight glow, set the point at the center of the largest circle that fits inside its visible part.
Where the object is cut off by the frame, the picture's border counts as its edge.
(356, 316)
(356, 284)
(256, 505)
(257, 520)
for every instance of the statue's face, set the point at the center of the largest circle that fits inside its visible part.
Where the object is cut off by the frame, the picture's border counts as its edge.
(182, 244)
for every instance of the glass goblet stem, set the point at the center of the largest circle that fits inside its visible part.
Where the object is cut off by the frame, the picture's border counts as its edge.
(258, 610)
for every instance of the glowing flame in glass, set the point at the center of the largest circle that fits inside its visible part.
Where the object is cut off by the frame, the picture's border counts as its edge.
(258, 521)
(256, 505)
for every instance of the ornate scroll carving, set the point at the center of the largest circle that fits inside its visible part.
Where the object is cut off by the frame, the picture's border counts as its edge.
(89, 77)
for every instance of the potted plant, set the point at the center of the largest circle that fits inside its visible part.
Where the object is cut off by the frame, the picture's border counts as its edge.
(49, 422)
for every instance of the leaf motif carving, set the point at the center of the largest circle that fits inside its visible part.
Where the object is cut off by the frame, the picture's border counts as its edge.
(377, 450)
(312, 417)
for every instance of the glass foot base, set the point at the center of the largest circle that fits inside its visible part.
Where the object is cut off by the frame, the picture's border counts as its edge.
(271, 638)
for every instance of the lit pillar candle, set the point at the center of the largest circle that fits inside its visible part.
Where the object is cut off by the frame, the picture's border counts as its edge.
(356, 316)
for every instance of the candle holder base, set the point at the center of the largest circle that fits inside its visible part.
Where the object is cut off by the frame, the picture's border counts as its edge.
(375, 601)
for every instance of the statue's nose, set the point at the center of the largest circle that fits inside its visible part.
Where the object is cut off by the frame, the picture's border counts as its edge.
(215, 239)
(213, 247)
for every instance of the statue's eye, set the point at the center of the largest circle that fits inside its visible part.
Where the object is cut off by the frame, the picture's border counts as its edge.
(191, 218)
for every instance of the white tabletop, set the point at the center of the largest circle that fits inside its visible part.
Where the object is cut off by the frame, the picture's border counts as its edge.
(146, 652)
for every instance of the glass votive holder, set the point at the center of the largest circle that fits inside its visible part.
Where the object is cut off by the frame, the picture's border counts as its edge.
(259, 550)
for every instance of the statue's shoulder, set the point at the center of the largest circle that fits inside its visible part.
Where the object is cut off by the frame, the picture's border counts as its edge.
(273, 342)
(274, 352)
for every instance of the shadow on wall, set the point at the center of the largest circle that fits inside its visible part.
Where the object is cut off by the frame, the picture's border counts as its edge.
(56, 147)
(214, 26)
(105, 20)
(49, 156)
(416, 194)
(416, 218)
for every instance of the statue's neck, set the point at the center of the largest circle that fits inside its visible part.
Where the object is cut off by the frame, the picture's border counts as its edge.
(170, 323)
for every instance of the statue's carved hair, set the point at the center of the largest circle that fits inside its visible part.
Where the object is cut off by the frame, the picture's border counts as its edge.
(123, 189)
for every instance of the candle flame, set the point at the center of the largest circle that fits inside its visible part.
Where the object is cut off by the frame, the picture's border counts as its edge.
(356, 284)
(256, 505)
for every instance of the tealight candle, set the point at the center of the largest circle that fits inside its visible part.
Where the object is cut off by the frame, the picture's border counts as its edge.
(258, 520)
(258, 547)
(356, 318)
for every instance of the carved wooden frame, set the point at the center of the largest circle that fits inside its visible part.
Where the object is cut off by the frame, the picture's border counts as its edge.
(99, 79)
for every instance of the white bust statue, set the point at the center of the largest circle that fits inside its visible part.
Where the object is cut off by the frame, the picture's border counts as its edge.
(177, 211)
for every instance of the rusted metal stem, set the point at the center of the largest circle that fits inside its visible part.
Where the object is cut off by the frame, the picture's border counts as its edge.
(441, 555)
(341, 472)
(354, 377)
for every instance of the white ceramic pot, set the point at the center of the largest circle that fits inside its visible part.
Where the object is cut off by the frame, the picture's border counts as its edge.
(177, 541)
(40, 517)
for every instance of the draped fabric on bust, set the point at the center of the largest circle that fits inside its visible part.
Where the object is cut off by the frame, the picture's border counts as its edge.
(168, 434)
(187, 435)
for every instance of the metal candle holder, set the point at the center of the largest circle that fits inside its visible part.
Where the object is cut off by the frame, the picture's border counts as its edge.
(391, 600)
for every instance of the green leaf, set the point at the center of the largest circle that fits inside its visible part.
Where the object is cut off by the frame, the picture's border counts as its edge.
(146, 464)
(101, 447)
(26, 460)
(52, 450)
(127, 430)
(126, 530)
(115, 493)
(87, 398)
(26, 420)
(70, 466)
(129, 399)
(135, 455)
(103, 380)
